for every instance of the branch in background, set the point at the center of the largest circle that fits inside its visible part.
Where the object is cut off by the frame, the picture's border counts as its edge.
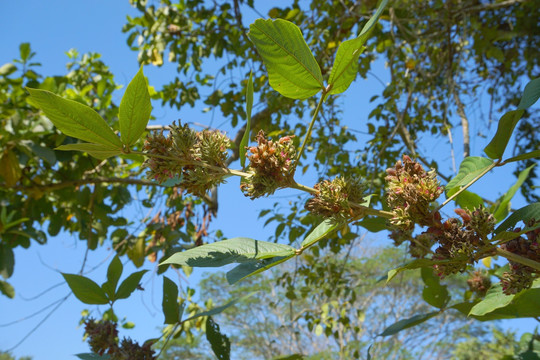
(97, 180)
(464, 120)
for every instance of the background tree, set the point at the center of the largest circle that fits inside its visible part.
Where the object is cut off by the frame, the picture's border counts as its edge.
(428, 51)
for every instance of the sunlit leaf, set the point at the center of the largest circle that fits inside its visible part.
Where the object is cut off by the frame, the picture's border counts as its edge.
(502, 210)
(345, 65)
(135, 109)
(526, 213)
(320, 232)
(98, 151)
(292, 68)
(73, 118)
(469, 169)
(237, 250)
(493, 300)
(7, 289)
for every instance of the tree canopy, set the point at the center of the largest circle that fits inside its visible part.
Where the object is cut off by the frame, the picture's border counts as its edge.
(72, 160)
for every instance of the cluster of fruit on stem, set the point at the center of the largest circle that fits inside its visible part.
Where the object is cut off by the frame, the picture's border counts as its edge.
(198, 160)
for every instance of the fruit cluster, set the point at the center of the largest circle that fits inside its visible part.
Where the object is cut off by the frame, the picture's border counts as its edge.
(271, 165)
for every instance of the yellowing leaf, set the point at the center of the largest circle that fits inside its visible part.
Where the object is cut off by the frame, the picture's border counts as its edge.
(487, 262)
(9, 168)
(156, 59)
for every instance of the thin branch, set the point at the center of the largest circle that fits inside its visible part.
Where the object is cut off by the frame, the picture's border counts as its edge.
(519, 259)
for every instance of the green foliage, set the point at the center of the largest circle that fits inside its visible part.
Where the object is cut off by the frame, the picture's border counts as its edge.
(135, 109)
(292, 68)
(86, 290)
(345, 68)
(470, 168)
(74, 119)
(407, 323)
(237, 250)
(170, 306)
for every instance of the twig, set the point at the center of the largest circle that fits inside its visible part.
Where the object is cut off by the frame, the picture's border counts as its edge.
(517, 258)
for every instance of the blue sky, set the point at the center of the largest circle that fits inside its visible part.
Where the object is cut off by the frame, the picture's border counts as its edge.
(53, 27)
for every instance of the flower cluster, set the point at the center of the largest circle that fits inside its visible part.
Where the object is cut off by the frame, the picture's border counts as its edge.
(336, 199)
(411, 191)
(198, 159)
(521, 277)
(103, 339)
(272, 165)
(479, 283)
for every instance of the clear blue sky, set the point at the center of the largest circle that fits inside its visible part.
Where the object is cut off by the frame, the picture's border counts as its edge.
(53, 27)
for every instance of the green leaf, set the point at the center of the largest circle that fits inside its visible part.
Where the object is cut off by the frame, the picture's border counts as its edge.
(7, 260)
(96, 150)
(321, 231)
(219, 309)
(247, 269)
(415, 264)
(113, 275)
(7, 69)
(221, 345)
(237, 250)
(129, 285)
(493, 300)
(407, 323)
(292, 68)
(92, 356)
(469, 200)
(74, 119)
(345, 65)
(470, 168)
(85, 289)
(502, 210)
(373, 224)
(7, 289)
(434, 293)
(530, 155)
(249, 105)
(525, 304)
(24, 51)
(531, 94)
(170, 307)
(526, 213)
(507, 123)
(509, 235)
(135, 109)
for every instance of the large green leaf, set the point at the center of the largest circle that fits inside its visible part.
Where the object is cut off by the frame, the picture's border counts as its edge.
(292, 68)
(470, 168)
(321, 231)
(249, 105)
(469, 200)
(502, 210)
(434, 293)
(74, 119)
(129, 285)
(135, 109)
(345, 65)
(220, 343)
(169, 304)
(509, 235)
(526, 213)
(92, 356)
(507, 123)
(407, 323)
(98, 151)
(85, 289)
(493, 300)
(414, 264)
(237, 250)
(114, 272)
(254, 267)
